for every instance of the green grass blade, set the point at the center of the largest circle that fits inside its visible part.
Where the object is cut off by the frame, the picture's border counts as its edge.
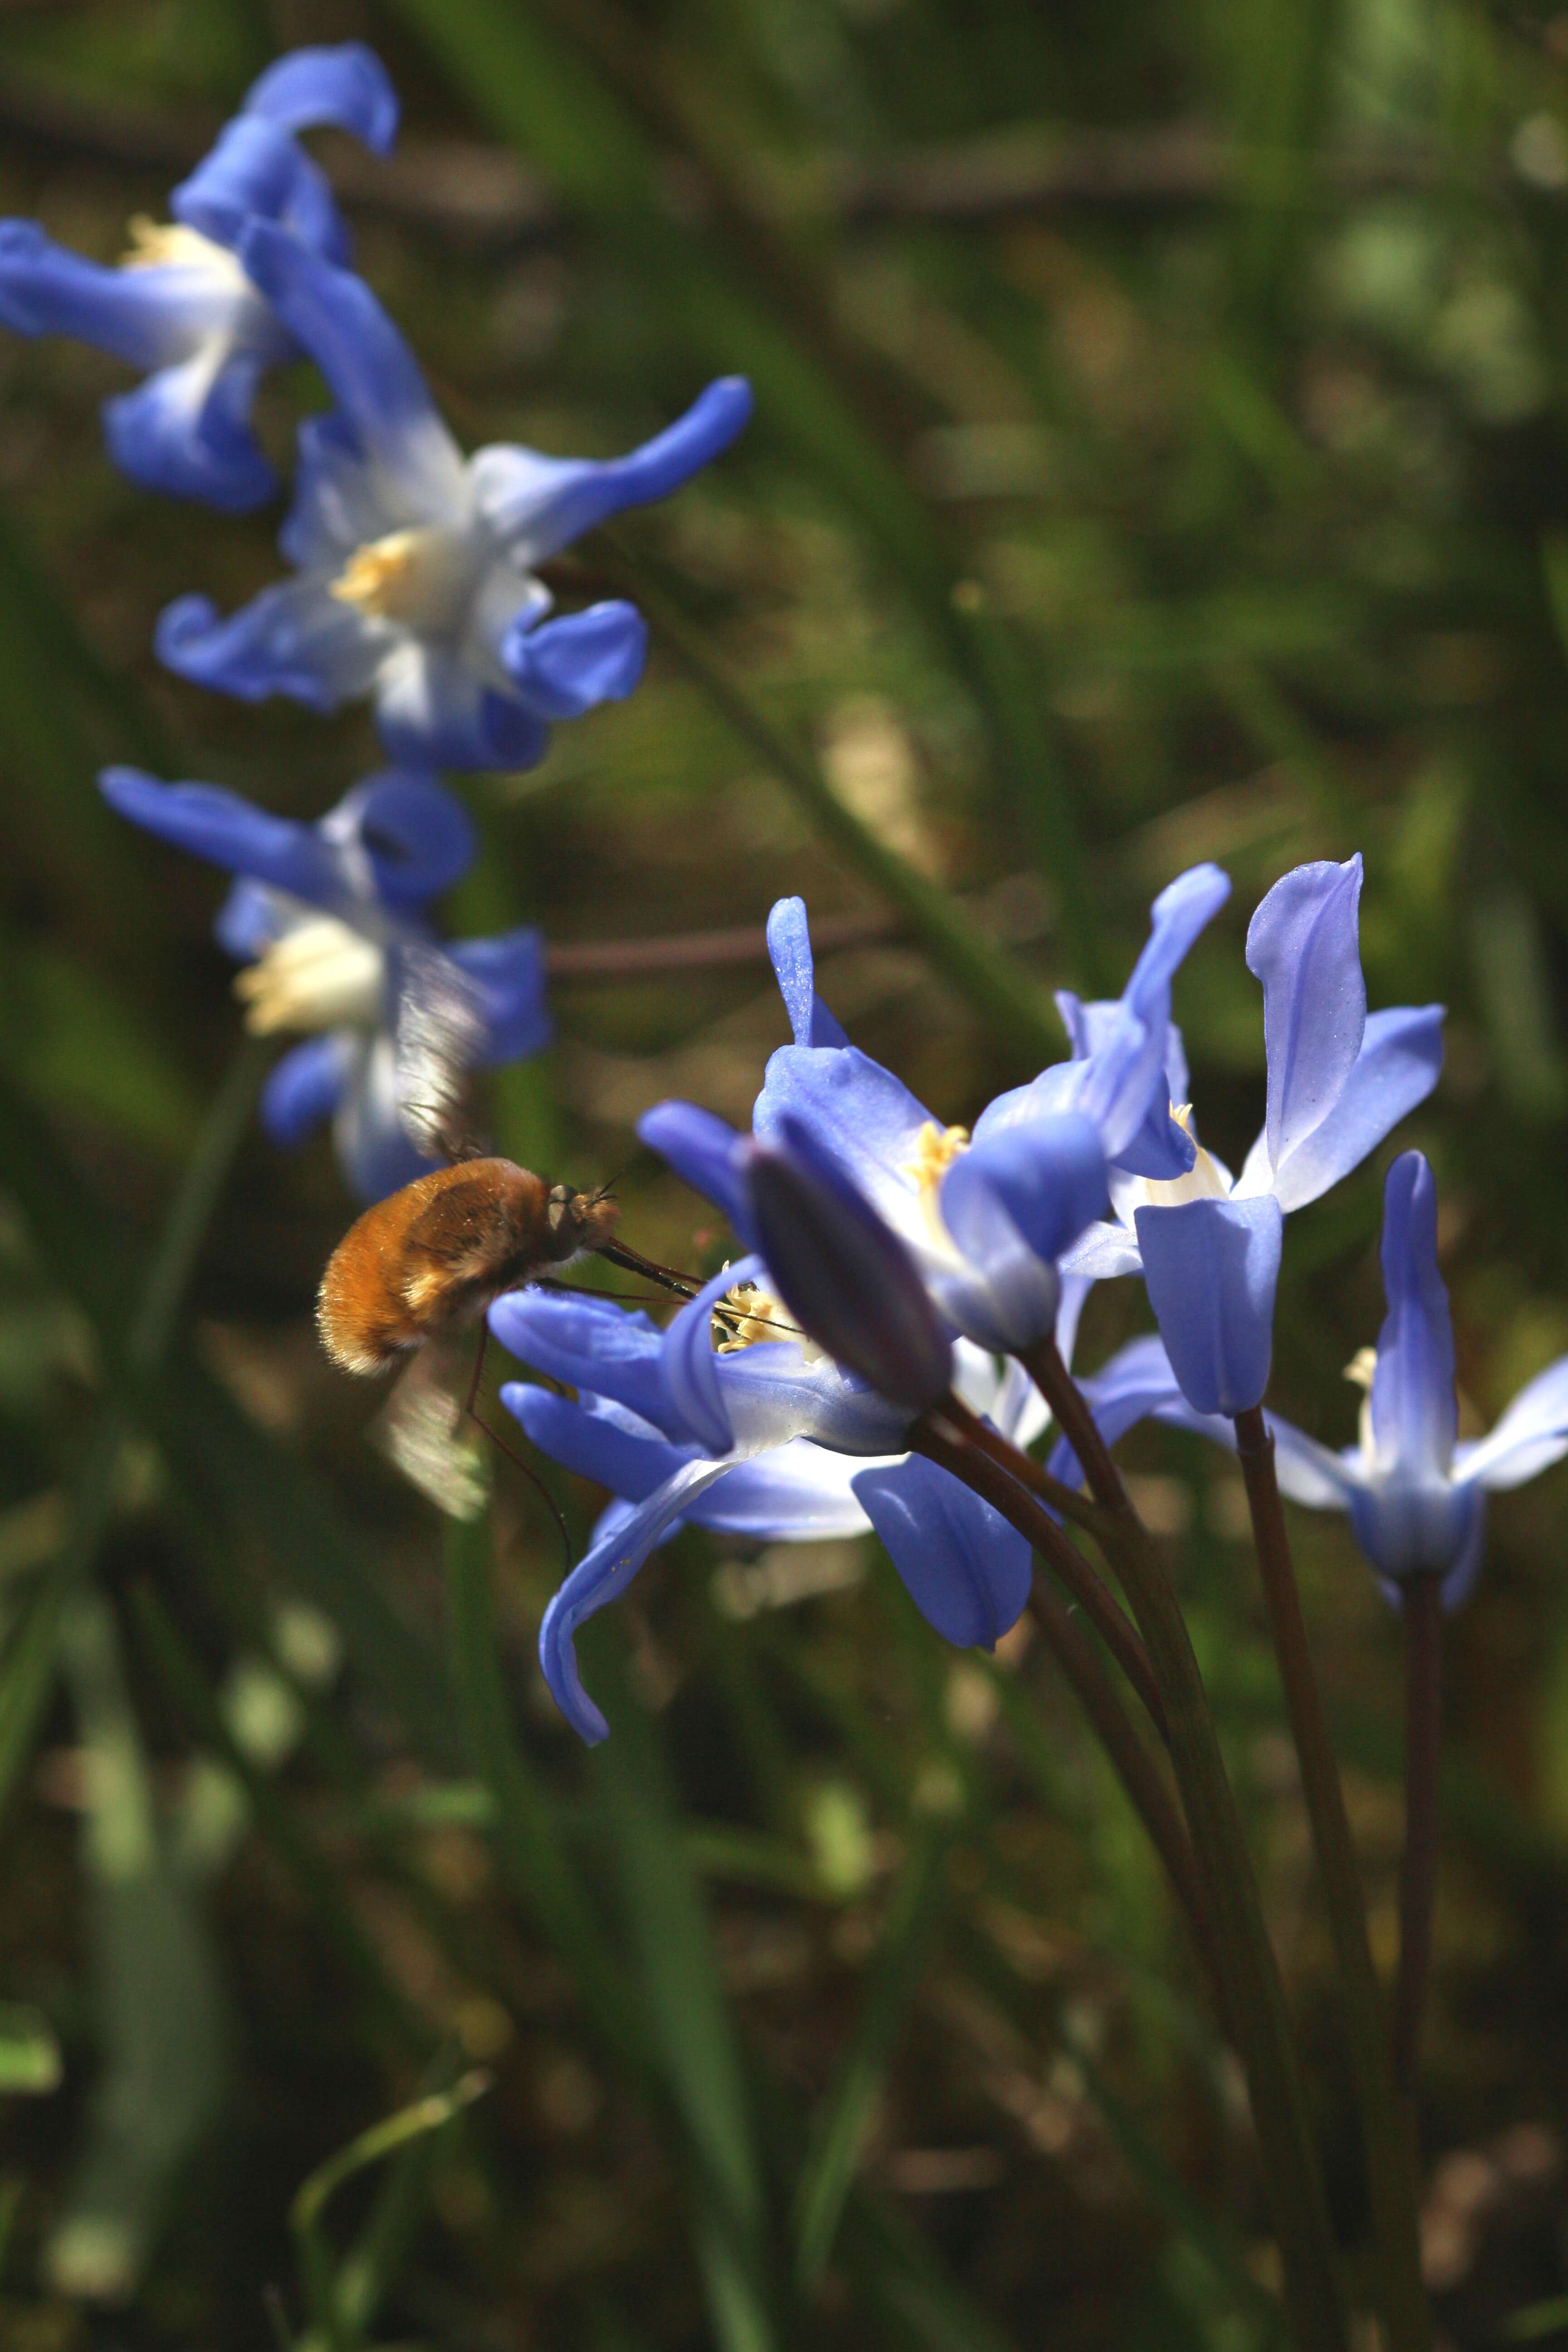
(529, 1847)
(692, 2025)
(824, 2183)
(158, 2004)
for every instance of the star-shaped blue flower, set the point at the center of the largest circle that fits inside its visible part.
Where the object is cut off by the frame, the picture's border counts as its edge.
(330, 922)
(414, 567)
(181, 306)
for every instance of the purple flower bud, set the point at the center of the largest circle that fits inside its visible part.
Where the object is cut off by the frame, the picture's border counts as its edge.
(844, 1275)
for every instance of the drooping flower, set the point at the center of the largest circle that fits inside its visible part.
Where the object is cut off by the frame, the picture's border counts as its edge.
(181, 305)
(1209, 1244)
(1415, 1493)
(734, 1421)
(414, 579)
(987, 1220)
(328, 922)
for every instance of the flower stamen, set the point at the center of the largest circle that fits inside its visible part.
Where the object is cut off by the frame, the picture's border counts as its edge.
(319, 975)
(418, 577)
(746, 1316)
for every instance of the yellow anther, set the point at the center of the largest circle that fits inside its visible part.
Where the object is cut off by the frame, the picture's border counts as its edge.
(375, 575)
(936, 1149)
(748, 1316)
(168, 245)
(1361, 1367)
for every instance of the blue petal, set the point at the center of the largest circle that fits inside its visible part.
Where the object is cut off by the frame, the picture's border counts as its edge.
(1048, 1173)
(186, 432)
(293, 638)
(967, 1571)
(254, 170)
(592, 1445)
(1415, 1412)
(509, 972)
(1397, 1067)
(228, 832)
(1531, 1436)
(602, 1576)
(564, 667)
(432, 710)
(1135, 1079)
(862, 1113)
(707, 1153)
(590, 1344)
(248, 921)
(843, 1272)
(1004, 1296)
(418, 836)
(304, 1088)
(1302, 944)
(541, 503)
(150, 317)
(373, 375)
(789, 950)
(345, 85)
(691, 1365)
(1409, 1527)
(1210, 1268)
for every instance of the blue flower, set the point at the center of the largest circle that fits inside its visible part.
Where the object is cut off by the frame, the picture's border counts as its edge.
(181, 305)
(1209, 1244)
(329, 919)
(761, 1435)
(984, 1221)
(414, 579)
(1416, 1496)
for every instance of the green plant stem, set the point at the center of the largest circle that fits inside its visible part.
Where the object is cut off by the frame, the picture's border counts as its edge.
(1423, 1616)
(1290, 2167)
(999, 988)
(940, 1434)
(1387, 2139)
(1076, 1655)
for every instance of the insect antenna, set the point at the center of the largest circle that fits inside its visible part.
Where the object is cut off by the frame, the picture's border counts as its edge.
(471, 1412)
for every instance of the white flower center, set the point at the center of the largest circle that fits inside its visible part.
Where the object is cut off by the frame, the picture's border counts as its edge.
(167, 245)
(747, 1316)
(1204, 1179)
(423, 578)
(319, 975)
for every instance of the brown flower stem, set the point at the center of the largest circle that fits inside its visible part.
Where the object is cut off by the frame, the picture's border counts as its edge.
(1291, 2171)
(936, 1436)
(1423, 1614)
(1064, 1499)
(1389, 2153)
(1079, 1662)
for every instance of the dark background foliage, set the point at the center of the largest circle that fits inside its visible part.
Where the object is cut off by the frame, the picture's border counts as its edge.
(1161, 453)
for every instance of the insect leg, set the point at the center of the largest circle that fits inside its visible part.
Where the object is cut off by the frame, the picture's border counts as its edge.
(471, 1412)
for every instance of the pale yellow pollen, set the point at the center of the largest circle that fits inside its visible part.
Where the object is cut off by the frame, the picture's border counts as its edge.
(936, 1149)
(748, 1316)
(1361, 1367)
(374, 575)
(320, 976)
(168, 245)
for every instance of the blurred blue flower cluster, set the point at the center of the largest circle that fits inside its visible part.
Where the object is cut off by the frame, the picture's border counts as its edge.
(415, 585)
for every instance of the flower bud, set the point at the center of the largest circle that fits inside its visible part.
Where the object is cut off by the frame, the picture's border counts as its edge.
(844, 1275)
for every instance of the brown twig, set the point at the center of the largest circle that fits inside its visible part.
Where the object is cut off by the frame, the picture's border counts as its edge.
(702, 951)
(1423, 1614)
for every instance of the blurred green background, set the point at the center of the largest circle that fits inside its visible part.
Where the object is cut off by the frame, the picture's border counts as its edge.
(1162, 453)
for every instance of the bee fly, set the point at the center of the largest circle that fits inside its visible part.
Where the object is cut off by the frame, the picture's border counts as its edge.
(417, 1269)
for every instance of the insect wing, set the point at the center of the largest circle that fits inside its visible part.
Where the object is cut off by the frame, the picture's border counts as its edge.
(421, 1431)
(440, 1037)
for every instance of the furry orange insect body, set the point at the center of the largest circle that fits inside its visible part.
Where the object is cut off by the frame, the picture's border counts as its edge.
(432, 1257)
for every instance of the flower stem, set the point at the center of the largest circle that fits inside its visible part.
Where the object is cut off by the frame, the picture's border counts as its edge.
(1079, 1661)
(1256, 1997)
(1389, 2152)
(1423, 1614)
(957, 1451)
